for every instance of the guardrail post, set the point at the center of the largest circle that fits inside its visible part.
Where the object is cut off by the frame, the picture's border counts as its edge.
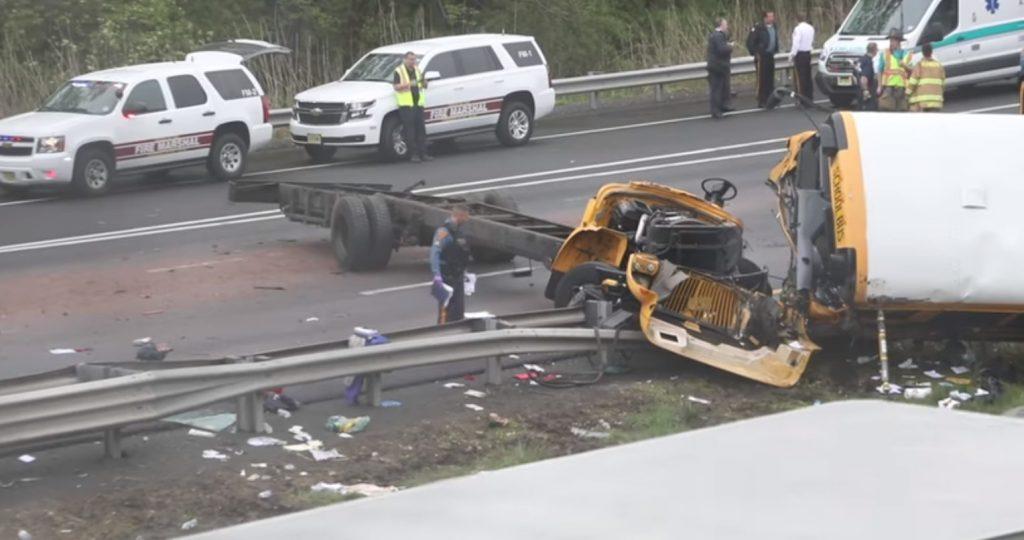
(659, 92)
(375, 387)
(596, 312)
(250, 413)
(593, 95)
(112, 443)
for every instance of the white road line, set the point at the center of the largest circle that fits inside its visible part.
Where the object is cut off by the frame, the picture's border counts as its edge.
(603, 165)
(375, 292)
(25, 201)
(193, 265)
(621, 171)
(991, 109)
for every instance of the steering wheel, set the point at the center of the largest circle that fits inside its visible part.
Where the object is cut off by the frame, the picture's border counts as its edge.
(718, 190)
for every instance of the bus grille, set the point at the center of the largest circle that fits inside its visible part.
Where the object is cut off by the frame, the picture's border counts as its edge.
(706, 302)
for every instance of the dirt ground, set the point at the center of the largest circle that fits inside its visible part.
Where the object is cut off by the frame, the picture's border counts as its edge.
(163, 483)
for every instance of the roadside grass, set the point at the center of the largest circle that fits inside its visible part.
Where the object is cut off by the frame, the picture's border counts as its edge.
(518, 452)
(312, 499)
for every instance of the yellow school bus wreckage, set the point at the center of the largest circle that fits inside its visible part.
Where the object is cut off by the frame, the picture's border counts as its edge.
(911, 215)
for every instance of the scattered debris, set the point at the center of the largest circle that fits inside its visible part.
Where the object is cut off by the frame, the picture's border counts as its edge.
(142, 341)
(345, 436)
(861, 360)
(204, 420)
(258, 465)
(190, 524)
(475, 393)
(277, 400)
(981, 392)
(283, 413)
(454, 385)
(889, 388)
(265, 441)
(70, 351)
(201, 433)
(587, 434)
(908, 364)
(26, 458)
(325, 455)
(337, 488)
(390, 403)
(917, 393)
(960, 370)
(266, 494)
(24, 535)
(496, 421)
(949, 403)
(961, 396)
(299, 433)
(533, 367)
(962, 381)
(153, 352)
(696, 399)
(371, 490)
(933, 374)
(474, 407)
(289, 467)
(253, 477)
(469, 378)
(522, 377)
(604, 423)
(478, 315)
(213, 454)
(344, 424)
(312, 319)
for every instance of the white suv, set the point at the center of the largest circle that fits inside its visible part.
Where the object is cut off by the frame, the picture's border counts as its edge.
(476, 83)
(153, 117)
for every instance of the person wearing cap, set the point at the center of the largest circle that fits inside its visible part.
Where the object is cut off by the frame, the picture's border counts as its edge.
(894, 68)
(927, 83)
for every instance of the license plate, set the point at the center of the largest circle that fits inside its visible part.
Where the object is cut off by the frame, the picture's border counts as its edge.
(314, 138)
(844, 81)
(8, 176)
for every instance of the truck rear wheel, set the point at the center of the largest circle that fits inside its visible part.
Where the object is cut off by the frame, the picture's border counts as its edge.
(351, 235)
(484, 254)
(382, 233)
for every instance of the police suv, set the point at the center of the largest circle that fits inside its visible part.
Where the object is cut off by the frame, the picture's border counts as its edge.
(153, 117)
(475, 84)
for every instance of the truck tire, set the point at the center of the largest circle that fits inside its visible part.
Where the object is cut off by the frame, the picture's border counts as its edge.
(842, 101)
(382, 233)
(515, 126)
(586, 274)
(228, 157)
(94, 170)
(392, 142)
(486, 255)
(350, 233)
(320, 154)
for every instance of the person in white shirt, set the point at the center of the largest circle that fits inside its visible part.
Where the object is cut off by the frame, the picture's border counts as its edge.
(800, 55)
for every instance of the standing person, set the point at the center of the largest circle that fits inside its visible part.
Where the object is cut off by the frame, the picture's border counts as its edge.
(800, 55)
(893, 67)
(765, 47)
(719, 57)
(410, 92)
(927, 83)
(867, 80)
(449, 256)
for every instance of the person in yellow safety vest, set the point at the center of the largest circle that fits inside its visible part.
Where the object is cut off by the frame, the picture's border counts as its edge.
(927, 83)
(410, 93)
(894, 68)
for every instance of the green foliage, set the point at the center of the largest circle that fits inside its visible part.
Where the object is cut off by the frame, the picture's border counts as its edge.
(42, 42)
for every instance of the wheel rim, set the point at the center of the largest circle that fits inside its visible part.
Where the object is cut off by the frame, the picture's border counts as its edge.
(518, 124)
(230, 157)
(398, 142)
(96, 174)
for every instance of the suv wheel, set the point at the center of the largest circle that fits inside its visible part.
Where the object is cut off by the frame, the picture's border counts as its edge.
(515, 127)
(228, 157)
(320, 154)
(392, 140)
(94, 169)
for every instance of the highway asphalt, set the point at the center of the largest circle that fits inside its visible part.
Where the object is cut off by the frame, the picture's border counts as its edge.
(176, 261)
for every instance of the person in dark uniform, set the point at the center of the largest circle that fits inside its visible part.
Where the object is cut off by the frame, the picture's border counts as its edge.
(766, 46)
(449, 257)
(719, 58)
(868, 96)
(410, 94)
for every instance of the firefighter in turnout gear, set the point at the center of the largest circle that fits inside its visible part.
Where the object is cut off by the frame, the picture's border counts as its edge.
(894, 67)
(927, 83)
(449, 257)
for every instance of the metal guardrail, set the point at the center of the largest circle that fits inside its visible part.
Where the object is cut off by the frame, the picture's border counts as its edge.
(42, 415)
(602, 82)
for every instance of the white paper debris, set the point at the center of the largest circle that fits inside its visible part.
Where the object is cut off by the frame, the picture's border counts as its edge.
(201, 433)
(478, 315)
(533, 367)
(258, 465)
(325, 455)
(587, 434)
(25, 458)
(933, 374)
(190, 524)
(266, 494)
(142, 341)
(469, 285)
(474, 407)
(960, 370)
(917, 393)
(961, 396)
(265, 441)
(289, 467)
(981, 392)
(696, 399)
(454, 385)
(949, 403)
(346, 436)
(313, 319)
(24, 535)
(475, 393)
(213, 454)
(284, 413)
(889, 389)
(321, 487)
(908, 364)
(861, 360)
(370, 490)
(253, 477)
(63, 351)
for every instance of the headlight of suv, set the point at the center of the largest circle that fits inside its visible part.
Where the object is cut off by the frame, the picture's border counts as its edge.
(50, 145)
(360, 110)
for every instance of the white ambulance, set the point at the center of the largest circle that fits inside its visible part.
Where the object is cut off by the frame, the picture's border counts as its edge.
(208, 109)
(976, 40)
